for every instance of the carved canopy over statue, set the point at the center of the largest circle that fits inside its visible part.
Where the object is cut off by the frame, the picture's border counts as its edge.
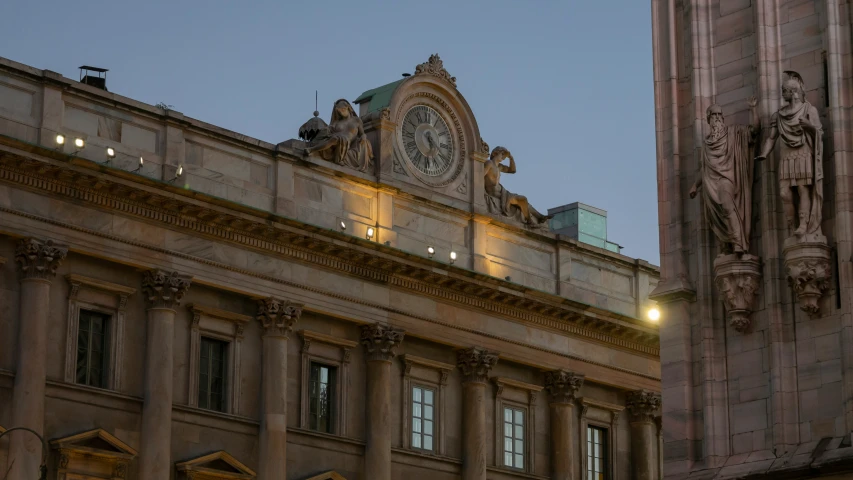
(501, 201)
(343, 141)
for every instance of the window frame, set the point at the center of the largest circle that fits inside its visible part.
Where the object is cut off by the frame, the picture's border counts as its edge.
(110, 299)
(505, 389)
(224, 326)
(601, 412)
(525, 417)
(431, 374)
(435, 392)
(334, 385)
(333, 352)
(226, 353)
(105, 364)
(608, 461)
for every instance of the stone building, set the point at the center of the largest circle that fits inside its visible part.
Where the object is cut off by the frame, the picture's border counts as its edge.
(182, 301)
(752, 102)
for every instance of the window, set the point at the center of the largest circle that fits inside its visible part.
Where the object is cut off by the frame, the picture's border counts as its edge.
(211, 374)
(513, 437)
(596, 453)
(321, 401)
(423, 418)
(92, 348)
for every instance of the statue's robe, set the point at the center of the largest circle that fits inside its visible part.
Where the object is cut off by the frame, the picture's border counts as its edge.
(727, 185)
(802, 157)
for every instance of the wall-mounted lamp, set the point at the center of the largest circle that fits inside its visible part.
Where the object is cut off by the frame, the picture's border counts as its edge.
(430, 251)
(111, 154)
(452, 257)
(370, 233)
(343, 226)
(178, 173)
(60, 141)
(141, 162)
(80, 144)
(653, 314)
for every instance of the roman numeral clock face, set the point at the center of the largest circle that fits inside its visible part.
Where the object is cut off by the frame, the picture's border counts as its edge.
(427, 140)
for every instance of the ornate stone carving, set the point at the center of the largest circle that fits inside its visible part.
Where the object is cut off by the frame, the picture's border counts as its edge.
(642, 405)
(380, 341)
(808, 270)
(63, 460)
(801, 165)
(399, 168)
(119, 470)
(463, 185)
(278, 316)
(344, 141)
(500, 201)
(164, 289)
(484, 147)
(435, 67)
(726, 178)
(562, 386)
(475, 364)
(39, 259)
(737, 279)
(385, 113)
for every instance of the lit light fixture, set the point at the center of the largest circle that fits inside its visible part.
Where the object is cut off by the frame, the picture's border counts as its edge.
(111, 154)
(178, 172)
(430, 251)
(370, 233)
(79, 142)
(60, 140)
(654, 314)
(141, 162)
(343, 226)
(452, 257)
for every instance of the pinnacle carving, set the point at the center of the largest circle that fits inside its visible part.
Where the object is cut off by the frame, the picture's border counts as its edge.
(562, 386)
(475, 364)
(278, 316)
(380, 341)
(39, 259)
(435, 67)
(164, 289)
(642, 405)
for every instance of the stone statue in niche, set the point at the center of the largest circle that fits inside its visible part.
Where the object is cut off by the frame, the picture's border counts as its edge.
(344, 141)
(500, 201)
(801, 166)
(800, 173)
(726, 183)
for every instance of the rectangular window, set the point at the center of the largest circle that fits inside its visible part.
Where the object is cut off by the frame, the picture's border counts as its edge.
(321, 399)
(596, 453)
(211, 374)
(514, 437)
(92, 348)
(423, 418)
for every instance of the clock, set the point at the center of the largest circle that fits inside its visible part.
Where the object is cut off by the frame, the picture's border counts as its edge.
(427, 140)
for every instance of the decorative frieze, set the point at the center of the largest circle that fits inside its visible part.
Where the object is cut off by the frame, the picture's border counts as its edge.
(808, 270)
(164, 289)
(475, 364)
(278, 316)
(562, 386)
(380, 341)
(737, 278)
(39, 259)
(643, 405)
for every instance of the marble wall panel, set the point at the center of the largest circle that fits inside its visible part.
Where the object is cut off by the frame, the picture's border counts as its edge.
(521, 254)
(16, 100)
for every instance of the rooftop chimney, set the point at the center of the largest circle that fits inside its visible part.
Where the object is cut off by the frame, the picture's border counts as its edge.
(94, 76)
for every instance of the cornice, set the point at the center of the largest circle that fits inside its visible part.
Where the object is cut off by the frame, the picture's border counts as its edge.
(426, 362)
(219, 313)
(329, 249)
(309, 337)
(94, 283)
(509, 382)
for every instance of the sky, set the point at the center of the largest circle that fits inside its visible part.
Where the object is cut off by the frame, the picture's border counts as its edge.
(566, 85)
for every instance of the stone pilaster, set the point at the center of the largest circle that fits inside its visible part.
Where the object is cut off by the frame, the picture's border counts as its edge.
(562, 387)
(277, 317)
(380, 343)
(38, 261)
(162, 292)
(642, 407)
(475, 364)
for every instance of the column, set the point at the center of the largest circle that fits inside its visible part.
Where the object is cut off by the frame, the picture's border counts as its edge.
(562, 386)
(163, 292)
(38, 261)
(642, 406)
(475, 364)
(380, 343)
(277, 317)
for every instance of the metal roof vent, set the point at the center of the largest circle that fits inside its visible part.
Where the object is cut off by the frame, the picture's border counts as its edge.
(94, 76)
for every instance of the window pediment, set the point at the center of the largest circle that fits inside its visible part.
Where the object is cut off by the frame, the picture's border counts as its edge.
(331, 475)
(215, 466)
(95, 453)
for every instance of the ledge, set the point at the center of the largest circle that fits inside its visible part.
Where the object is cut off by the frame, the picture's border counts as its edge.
(219, 313)
(99, 284)
(501, 381)
(309, 336)
(425, 362)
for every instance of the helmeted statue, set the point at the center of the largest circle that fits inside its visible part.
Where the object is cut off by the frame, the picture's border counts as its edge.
(801, 165)
(726, 178)
(344, 142)
(501, 201)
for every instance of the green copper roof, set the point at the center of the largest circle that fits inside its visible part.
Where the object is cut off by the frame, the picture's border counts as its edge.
(379, 97)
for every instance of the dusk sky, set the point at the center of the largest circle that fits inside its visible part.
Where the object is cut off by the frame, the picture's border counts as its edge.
(565, 85)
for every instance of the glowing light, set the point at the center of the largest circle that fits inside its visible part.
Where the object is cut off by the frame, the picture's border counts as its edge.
(654, 314)
(111, 153)
(180, 170)
(79, 143)
(60, 139)
(370, 233)
(452, 257)
(430, 251)
(343, 225)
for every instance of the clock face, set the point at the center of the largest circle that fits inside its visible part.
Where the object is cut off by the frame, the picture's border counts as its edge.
(427, 140)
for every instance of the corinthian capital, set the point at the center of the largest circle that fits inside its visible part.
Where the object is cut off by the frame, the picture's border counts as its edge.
(39, 259)
(380, 341)
(475, 364)
(278, 316)
(164, 289)
(562, 386)
(642, 405)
